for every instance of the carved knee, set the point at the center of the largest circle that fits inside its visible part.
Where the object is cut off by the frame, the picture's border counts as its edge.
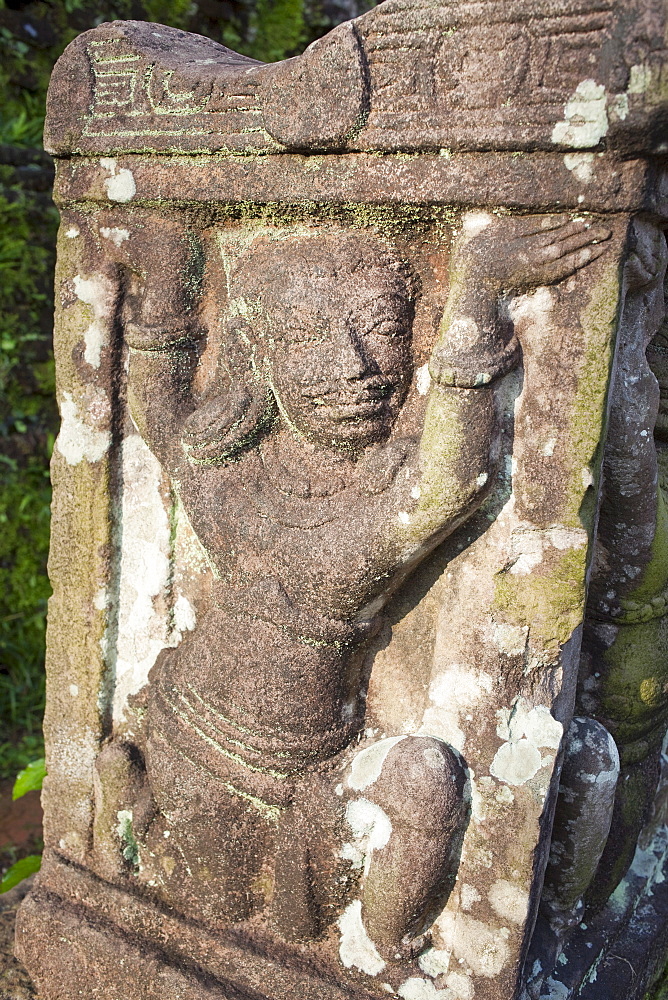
(407, 824)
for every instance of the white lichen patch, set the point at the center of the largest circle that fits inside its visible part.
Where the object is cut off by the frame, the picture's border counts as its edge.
(480, 946)
(184, 614)
(640, 79)
(566, 538)
(511, 639)
(368, 763)
(116, 235)
(618, 107)
(585, 117)
(145, 624)
(98, 292)
(79, 438)
(479, 797)
(581, 165)
(473, 223)
(434, 962)
(459, 986)
(524, 729)
(553, 990)
(125, 833)
(356, 949)
(422, 989)
(423, 379)
(351, 852)
(509, 901)
(468, 896)
(72, 232)
(504, 796)
(101, 599)
(530, 311)
(454, 692)
(371, 828)
(536, 723)
(528, 546)
(120, 186)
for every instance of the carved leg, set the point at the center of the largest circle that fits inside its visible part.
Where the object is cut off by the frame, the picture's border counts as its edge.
(636, 790)
(582, 821)
(580, 831)
(386, 828)
(124, 808)
(206, 850)
(312, 877)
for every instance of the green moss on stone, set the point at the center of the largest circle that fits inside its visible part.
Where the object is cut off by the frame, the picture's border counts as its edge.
(550, 600)
(587, 425)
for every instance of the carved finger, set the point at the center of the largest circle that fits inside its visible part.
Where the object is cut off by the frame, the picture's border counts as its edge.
(565, 266)
(569, 228)
(532, 225)
(586, 237)
(573, 228)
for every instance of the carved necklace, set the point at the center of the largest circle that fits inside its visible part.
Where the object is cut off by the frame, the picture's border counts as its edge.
(299, 497)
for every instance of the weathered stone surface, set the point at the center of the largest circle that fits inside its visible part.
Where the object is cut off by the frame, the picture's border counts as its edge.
(357, 505)
(410, 74)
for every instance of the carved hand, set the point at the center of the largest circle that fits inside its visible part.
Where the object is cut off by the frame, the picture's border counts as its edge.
(515, 254)
(507, 255)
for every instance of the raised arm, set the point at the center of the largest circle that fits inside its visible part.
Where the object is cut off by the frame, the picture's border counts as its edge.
(496, 258)
(163, 332)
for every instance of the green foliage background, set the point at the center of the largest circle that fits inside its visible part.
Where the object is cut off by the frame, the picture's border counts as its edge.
(32, 36)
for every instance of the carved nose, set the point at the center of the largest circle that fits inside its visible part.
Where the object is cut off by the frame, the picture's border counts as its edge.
(350, 353)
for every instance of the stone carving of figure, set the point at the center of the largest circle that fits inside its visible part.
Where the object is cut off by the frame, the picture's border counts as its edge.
(316, 479)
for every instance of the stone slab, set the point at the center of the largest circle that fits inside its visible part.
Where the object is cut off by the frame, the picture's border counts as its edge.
(540, 182)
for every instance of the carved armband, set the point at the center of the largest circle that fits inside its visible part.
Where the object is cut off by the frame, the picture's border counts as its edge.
(475, 369)
(160, 338)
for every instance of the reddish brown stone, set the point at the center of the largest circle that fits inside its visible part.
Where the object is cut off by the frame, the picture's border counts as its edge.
(349, 408)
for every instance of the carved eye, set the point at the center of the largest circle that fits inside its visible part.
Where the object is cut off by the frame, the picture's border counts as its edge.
(306, 336)
(386, 328)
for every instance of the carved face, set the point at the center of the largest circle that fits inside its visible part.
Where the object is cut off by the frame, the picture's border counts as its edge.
(340, 361)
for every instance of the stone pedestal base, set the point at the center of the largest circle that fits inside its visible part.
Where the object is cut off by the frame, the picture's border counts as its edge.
(82, 937)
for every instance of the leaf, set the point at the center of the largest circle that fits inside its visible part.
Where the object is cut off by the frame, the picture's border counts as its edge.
(29, 779)
(22, 869)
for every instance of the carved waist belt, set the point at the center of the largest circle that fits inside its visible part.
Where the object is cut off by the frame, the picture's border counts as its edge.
(231, 751)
